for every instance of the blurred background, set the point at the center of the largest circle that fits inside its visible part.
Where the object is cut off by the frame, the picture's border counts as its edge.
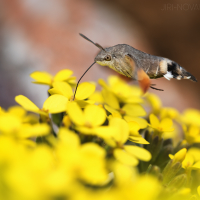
(44, 35)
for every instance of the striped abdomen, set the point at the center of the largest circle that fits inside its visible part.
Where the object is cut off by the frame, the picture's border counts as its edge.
(157, 67)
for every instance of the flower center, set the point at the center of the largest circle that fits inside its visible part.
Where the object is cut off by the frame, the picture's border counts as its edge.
(88, 124)
(122, 112)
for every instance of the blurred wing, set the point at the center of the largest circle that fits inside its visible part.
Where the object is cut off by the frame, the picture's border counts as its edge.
(132, 66)
(141, 76)
(143, 79)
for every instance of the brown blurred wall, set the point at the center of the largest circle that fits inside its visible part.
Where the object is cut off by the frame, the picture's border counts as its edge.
(43, 35)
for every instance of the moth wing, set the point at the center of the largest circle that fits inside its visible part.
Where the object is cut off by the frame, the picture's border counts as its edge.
(143, 80)
(133, 67)
(138, 74)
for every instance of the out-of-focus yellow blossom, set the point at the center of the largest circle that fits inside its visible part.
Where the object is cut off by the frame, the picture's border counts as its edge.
(155, 102)
(93, 156)
(195, 152)
(198, 190)
(169, 113)
(124, 92)
(122, 100)
(21, 113)
(127, 154)
(165, 125)
(90, 120)
(97, 97)
(142, 122)
(179, 156)
(188, 162)
(53, 104)
(192, 134)
(84, 90)
(135, 136)
(87, 160)
(127, 111)
(170, 172)
(13, 125)
(47, 79)
(191, 117)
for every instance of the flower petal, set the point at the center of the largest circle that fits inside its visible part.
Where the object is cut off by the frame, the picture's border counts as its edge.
(84, 103)
(139, 140)
(105, 132)
(84, 90)
(55, 104)
(9, 123)
(198, 190)
(125, 158)
(122, 131)
(138, 152)
(154, 121)
(188, 161)
(134, 110)
(26, 103)
(112, 110)
(62, 88)
(42, 77)
(17, 110)
(63, 75)
(110, 99)
(167, 124)
(134, 128)
(94, 115)
(196, 165)
(28, 130)
(75, 113)
(142, 122)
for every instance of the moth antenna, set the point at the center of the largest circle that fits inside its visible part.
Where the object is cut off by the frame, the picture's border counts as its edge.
(81, 78)
(96, 44)
(155, 88)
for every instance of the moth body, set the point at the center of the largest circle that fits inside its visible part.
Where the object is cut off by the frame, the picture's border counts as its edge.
(126, 60)
(138, 65)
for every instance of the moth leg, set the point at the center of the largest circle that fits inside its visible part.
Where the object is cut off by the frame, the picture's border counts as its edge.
(155, 88)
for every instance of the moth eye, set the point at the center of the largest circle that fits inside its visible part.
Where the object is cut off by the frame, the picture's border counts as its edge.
(107, 58)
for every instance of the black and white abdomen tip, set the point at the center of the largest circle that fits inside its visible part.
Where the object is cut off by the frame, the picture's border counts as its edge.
(174, 70)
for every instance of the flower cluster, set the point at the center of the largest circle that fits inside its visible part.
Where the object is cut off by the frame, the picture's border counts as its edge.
(113, 144)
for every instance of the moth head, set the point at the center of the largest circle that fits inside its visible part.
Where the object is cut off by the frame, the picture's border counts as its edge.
(112, 57)
(104, 58)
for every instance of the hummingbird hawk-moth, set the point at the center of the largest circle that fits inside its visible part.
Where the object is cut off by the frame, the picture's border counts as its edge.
(138, 65)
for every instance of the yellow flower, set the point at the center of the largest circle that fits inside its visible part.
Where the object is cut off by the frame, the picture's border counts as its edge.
(12, 125)
(130, 112)
(90, 120)
(165, 125)
(195, 152)
(92, 164)
(192, 134)
(53, 104)
(84, 90)
(21, 113)
(135, 136)
(155, 102)
(47, 79)
(124, 92)
(127, 154)
(97, 97)
(171, 113)
(187, 160)
(87, 161)
(179, 156)
(191, 117)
